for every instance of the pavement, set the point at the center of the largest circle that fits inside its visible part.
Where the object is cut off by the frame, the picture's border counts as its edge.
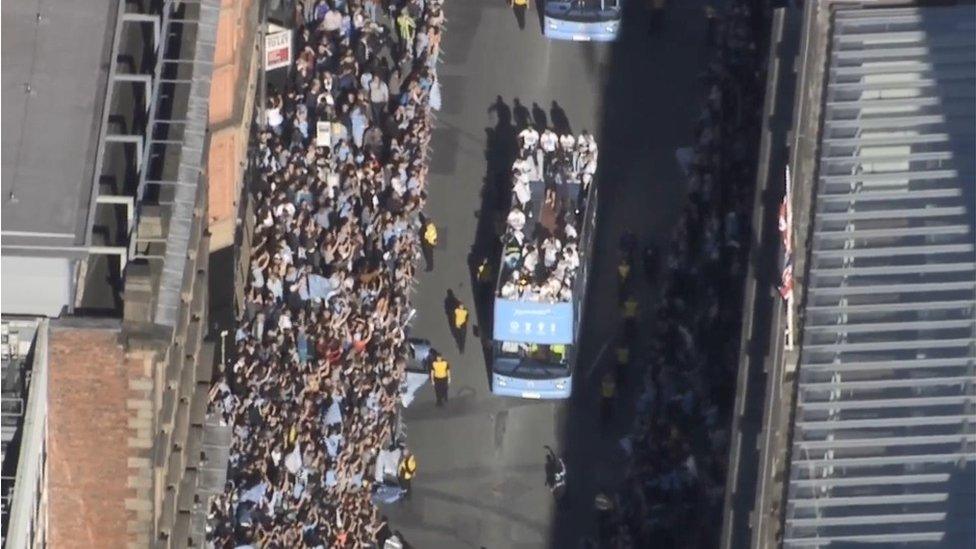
(481, 461)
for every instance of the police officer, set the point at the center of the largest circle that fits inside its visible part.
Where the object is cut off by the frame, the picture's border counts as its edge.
(623, 278)
(428, 240)
(484, 281)
(623, 359)
(440, 376)
(629, 310)
(407, 470)
(608, 391)
(459, 324)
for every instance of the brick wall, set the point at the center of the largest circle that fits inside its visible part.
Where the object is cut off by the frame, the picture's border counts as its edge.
(100, 425)
(231, 102)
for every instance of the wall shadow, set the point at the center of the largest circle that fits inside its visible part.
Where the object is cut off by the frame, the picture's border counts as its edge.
(650, 97)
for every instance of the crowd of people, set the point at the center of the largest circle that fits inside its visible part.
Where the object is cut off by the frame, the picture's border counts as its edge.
(313, 386)
(551, 175)
(678, 446)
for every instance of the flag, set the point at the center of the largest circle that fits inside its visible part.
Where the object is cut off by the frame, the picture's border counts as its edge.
(786, 283)
(786, 216)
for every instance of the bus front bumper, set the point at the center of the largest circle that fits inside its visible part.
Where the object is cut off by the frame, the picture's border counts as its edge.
(599, 31)
(535, 389)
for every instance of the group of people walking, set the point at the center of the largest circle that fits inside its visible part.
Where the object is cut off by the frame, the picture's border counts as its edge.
(312, 390)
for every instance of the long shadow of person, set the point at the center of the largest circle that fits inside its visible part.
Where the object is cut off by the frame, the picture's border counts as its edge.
(540, 6)
(522, 117)
(539, 117)
(560, 122)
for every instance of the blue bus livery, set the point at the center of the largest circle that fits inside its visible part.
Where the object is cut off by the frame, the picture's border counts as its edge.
(540, 294)
(582, 20)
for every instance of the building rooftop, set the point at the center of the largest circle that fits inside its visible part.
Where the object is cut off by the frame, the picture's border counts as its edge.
(884, 443)
(17, 371)
(54, 75)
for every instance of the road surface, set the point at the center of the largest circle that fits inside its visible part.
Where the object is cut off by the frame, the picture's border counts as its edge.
(480, 481)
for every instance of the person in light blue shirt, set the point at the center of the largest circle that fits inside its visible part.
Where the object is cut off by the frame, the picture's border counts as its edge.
(359, 121)
(333, 416)
(330, 479)
(334, 442)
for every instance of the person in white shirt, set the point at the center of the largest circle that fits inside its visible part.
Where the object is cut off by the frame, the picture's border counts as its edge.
(274, 116)
(550, 250)
(399, 188)
(529, 138)
(518, 236)
(567, 142)
(510, 288)
(587, 181)
(530, 259)
(566, 293)
(516, 219)
(571, 256)
(548, 141)
(569, 229)
(523, 194)
(284, 321)
(526, 166)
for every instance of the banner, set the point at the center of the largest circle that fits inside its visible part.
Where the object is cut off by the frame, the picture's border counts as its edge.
(786, 237)
(323, 134)
(277, 50)
(533, 322)
(786, 216)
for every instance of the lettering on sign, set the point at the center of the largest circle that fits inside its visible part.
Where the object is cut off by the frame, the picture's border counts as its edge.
(277, 50)
(323, 134)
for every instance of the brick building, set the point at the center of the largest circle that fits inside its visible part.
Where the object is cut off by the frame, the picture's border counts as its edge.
(105, 250)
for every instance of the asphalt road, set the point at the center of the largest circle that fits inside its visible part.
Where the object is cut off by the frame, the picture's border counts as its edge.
(481, 481)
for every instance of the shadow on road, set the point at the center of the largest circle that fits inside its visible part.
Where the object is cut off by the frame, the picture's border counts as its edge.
(650, 100)
(502, 146)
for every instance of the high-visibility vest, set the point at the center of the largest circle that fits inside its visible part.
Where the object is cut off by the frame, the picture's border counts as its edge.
(520, 2)
(430, 234)
(623, 270)
(623, 355)
(440, 368)
(630, 308)
(559, 350)
(460, 316)
(608, 387)
(408, 467)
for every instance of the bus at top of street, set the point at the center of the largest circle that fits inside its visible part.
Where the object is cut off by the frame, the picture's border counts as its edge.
(582, 20)
(534, 339)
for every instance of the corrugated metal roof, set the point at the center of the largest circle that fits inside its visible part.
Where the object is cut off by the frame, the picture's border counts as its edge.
(190, 165)
(884, 441)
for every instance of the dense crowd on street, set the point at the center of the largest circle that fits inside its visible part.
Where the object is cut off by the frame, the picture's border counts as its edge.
(678, 447)
(550, 178)
(311, 391)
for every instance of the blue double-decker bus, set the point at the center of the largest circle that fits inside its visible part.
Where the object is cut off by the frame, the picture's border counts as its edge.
(535, 334)
(582, 20)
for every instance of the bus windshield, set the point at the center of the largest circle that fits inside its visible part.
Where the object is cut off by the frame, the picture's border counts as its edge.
(528, 360)
(583, 10)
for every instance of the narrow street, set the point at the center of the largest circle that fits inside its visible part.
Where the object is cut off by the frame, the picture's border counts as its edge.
(480, 481)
